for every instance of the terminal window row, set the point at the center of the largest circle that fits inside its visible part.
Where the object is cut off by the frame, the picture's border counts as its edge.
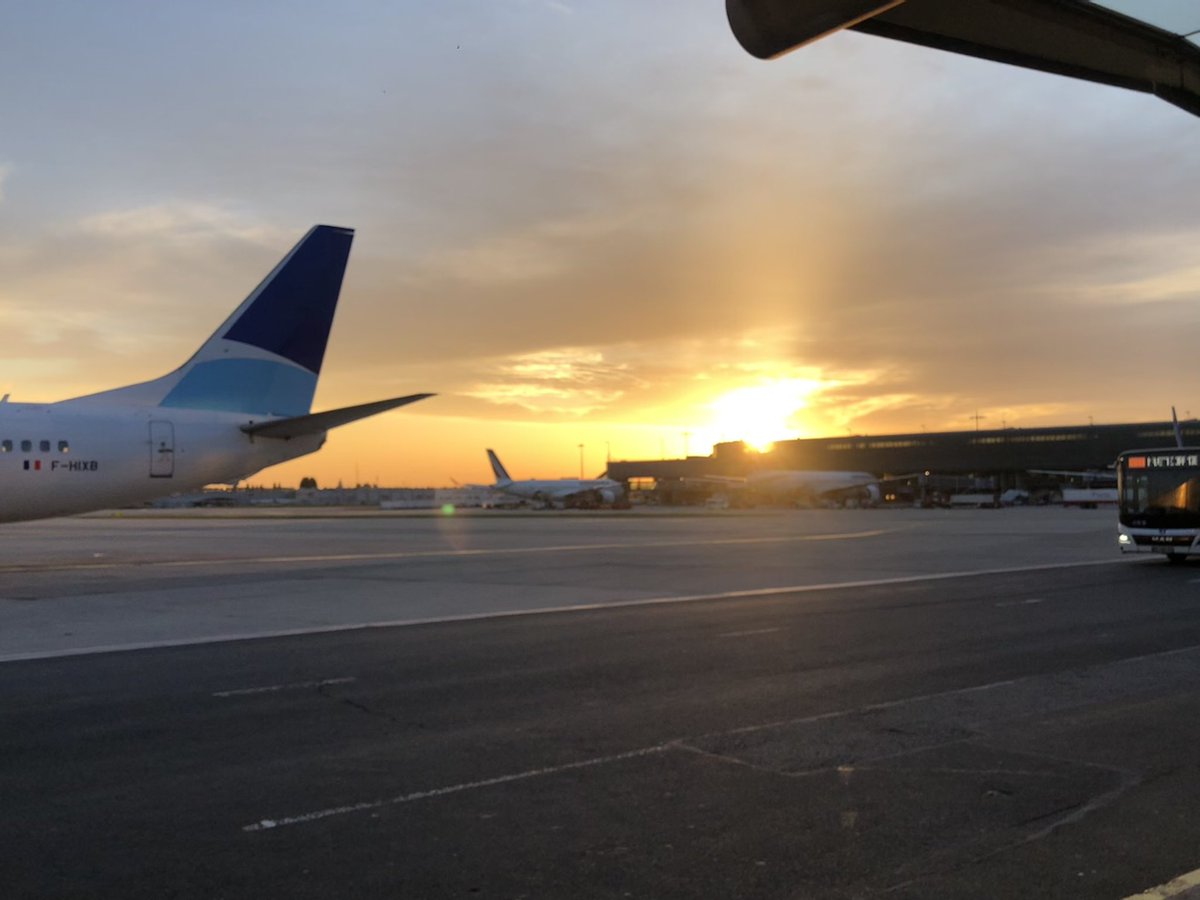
(877, 445)
(1027, 438)
(7, 446)
(1168, 434)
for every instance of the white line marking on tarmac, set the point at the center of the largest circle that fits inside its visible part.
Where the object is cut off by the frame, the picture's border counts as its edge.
(265, 824)
(686, 744)
(1184, 885)
(753, 631)
(549, 610)
(432, 554)
(295, 686)
(1030, 602)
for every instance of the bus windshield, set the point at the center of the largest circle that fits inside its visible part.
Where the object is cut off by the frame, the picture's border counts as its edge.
(1160, 489)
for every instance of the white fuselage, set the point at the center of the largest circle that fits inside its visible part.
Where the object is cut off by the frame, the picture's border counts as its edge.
(816, 482)
(562, 489)
(59, 459)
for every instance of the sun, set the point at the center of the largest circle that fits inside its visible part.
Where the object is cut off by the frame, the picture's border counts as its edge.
(764, 413)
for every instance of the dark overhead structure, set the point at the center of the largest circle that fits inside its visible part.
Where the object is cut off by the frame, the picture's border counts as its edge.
(1005, 451)
(1136, 44)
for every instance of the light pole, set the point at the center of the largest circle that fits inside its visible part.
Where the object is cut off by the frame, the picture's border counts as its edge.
(581, 462)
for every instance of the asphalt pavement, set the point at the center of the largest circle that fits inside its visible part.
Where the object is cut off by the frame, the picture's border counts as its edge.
(831, 704)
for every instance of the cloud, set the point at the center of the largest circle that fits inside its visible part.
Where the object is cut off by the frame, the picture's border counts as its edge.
(179, 223)
(659, 380)
(557, 6)
(607, 216)
(531, 253)
(125, 294)
(569, 382)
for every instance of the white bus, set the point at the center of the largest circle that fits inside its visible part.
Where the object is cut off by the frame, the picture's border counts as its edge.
(1159, 509)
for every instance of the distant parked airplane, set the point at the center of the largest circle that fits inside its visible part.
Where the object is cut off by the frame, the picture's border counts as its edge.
(240, 404)
(558, 491)
(810, 486)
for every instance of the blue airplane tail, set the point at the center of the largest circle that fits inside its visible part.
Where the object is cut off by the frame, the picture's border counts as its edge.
(265, 358)
(290, 313)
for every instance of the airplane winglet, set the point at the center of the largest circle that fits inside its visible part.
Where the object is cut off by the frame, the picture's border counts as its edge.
(298, 426)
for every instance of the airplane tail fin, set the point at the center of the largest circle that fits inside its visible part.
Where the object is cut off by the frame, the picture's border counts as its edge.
(265, 358)
(1177, 427)
(501, 473)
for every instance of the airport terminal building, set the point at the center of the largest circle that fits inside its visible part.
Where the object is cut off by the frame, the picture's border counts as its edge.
(1001, 458)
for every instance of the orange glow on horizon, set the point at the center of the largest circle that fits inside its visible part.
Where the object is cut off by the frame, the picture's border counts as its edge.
(415, 450)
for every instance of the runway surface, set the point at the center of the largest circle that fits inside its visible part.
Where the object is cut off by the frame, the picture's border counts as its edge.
(804, 704)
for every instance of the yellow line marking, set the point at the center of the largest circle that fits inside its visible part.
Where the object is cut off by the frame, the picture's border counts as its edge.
(267, 824)
(751, 632)
(293, 686)
(1184, 886)
(687, 744)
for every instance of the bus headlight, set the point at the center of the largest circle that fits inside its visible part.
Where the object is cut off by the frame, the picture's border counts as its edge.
(1124, 539)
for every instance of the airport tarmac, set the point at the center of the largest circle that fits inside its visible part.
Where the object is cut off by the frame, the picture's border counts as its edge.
(135, 579)
(826, 703)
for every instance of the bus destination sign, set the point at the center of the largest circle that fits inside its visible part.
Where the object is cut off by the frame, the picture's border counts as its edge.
(1164, 461)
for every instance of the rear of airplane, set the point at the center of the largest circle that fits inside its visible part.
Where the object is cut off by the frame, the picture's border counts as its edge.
(265, 358)
(498, 469)
(239, 404)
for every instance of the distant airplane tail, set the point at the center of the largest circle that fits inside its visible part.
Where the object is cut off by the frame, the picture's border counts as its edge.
(501, 473)
(265, 358)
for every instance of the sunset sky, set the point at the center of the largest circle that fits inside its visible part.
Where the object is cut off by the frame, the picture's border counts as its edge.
(596, 223)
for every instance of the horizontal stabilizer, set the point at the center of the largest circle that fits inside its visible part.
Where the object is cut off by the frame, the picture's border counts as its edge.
(298, 426)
